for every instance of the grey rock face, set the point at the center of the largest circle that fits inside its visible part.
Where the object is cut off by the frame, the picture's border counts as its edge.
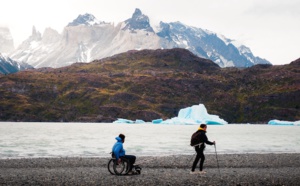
(87, 39)
(8, 65)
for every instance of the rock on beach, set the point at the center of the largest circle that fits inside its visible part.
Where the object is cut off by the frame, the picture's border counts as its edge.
(230, 169)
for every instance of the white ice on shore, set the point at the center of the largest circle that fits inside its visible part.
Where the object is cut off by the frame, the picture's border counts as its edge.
(194, 115)
(280, 122)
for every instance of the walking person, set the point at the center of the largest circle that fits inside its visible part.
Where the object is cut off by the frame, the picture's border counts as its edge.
(199, 148)
(118, 152)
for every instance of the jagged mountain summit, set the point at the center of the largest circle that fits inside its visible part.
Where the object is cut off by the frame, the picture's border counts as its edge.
(86, 19)
(87, 39)
(209, 45)
(138, 22)
(82, 43)
(8, 65)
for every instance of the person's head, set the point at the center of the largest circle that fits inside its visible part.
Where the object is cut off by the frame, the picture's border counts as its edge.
(122, 136)
(203, 126)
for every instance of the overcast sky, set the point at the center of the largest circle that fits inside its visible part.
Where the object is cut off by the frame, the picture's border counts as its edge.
(270, 28)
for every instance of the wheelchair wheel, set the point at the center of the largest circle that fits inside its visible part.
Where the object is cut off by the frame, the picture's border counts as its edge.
(122, 168)
(110, 166)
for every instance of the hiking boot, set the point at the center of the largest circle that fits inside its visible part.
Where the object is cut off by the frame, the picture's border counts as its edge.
(194, 172)
(132, 173)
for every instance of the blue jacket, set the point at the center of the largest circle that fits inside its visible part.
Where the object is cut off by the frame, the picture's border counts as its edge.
(118, 148)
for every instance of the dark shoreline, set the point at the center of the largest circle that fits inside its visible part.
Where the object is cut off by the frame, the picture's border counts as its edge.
(235, 169)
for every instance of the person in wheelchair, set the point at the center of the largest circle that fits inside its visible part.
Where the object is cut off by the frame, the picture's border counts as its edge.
(118, 152)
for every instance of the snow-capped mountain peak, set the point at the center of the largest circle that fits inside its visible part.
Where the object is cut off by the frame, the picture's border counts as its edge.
(36, 35)
(243, 49)
(83, 40)
(224, 39)
(138, 21)
(86, 19)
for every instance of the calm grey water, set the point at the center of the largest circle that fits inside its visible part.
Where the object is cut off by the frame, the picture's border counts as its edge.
(32, 140)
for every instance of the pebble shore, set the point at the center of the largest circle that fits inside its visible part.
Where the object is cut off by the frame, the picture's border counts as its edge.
(233, 169)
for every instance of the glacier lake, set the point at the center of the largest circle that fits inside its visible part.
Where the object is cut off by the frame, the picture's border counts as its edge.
(36, 140)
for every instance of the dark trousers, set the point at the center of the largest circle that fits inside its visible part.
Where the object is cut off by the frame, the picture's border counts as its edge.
(200, 155)
(131, 159)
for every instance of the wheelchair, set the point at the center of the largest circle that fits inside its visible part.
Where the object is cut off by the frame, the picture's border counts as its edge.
(121, 168)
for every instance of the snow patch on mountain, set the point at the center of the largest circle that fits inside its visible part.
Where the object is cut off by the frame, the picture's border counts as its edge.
(138, 21)
(8, 65)
(86, 19)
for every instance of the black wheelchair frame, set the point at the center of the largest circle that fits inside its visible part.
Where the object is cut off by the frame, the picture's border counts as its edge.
(116, 168)
(121, 168)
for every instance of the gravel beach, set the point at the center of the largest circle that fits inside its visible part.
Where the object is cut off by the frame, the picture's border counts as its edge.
(234, 169)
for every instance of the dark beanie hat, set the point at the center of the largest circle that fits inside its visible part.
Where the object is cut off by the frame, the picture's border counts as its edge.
(203, 125)
(122, 136)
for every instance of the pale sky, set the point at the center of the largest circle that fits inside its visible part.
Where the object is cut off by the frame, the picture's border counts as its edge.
(270, 28)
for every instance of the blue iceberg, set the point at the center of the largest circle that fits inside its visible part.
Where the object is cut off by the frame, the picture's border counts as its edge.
(127, 121)
(139, 121)
(195, 115)
(157, 121)
(121, 120)
(288, 123)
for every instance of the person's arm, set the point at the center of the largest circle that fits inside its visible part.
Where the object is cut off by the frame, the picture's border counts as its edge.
(208, 142)
(117, 150)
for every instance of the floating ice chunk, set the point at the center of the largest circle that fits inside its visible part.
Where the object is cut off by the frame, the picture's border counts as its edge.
(179, 121)
(279, 122)
(121, 120)
(195, 114)
(157, 121)
(138, 121)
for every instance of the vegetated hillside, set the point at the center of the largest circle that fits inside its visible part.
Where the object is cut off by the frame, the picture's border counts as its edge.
(151, 84)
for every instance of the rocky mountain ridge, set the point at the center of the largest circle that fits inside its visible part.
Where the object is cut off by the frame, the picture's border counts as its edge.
(86, 39)
(8, 65)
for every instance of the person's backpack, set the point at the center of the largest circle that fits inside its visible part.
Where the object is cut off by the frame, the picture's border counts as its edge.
(196, 139)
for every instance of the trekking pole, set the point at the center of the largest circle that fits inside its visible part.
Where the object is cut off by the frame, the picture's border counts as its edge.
(217, 160)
